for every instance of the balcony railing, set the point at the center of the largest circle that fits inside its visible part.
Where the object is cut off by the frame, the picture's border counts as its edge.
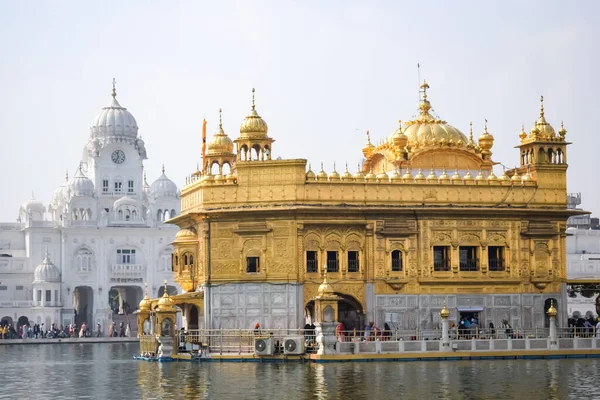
(128, 270)
(441, 265)
(469, 265)
(353, 266)
(312, 266)
(496, 264)
(16, 304)
(332, 266)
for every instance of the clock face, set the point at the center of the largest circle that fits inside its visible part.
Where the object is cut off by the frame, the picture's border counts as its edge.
(118, 156)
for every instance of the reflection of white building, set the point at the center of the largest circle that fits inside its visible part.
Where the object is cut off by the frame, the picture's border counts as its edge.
(583, 266)
(100, 238)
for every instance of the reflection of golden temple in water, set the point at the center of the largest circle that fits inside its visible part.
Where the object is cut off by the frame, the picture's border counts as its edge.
(425, 221)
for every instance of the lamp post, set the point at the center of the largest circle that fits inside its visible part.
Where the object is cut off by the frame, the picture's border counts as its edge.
(552, 316)
(445, 313)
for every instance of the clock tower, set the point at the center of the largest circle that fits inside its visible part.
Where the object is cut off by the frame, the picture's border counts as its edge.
(113, 157)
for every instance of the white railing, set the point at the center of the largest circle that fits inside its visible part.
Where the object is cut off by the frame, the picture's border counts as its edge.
(128, 270)
(16, 303)
(241, 341)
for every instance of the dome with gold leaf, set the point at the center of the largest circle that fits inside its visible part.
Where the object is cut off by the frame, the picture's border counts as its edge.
(426, 130)
(166, 303)
(145, 303)
(220, 142)
(541, 127)
(253, 125)
(186, 235)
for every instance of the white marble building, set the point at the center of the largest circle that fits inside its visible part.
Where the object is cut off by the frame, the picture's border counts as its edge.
(583, 264)
(98, 241)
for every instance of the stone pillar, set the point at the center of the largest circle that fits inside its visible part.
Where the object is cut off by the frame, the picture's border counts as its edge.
(552, 316)
(445, 313)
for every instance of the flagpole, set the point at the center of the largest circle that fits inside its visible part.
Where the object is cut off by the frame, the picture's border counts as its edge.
(203, 145)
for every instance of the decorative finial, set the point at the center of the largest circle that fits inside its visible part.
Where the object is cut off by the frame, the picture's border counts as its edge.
(220, 118)
(541, 106)
(166, 294)
(46, 254)
(368, 137)
(253, 98)
(114, 89)
(321, 165)
(163, 168)
(400, 124)
(346, 166)
(32, 195)
(471, 131)
(425, 86)
(144, 176)
(310, 167)
(67, 175)
(146, 288)
(334, 166)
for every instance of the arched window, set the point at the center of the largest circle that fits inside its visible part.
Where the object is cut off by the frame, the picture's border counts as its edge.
(185, 260)
(159, 215)
(172, 213)
(167, 215)
(226, 168)
(396, 261)
(191, 260)
(89, 214)
(83, 260)
(215, 168)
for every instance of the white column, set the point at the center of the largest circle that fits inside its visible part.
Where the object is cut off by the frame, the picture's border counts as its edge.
(553, 339)
(445, 335)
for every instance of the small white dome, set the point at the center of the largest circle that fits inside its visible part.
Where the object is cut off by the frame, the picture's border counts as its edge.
(34, 205)
(125, 201)
(81, 185)
(163, 186)
(46, 271)
(114, 120)
(60, 193)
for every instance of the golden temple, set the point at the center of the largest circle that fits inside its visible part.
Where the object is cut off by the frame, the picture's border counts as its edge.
(423, 224)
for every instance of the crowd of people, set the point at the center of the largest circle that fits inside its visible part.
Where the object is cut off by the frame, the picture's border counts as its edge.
(39, 331)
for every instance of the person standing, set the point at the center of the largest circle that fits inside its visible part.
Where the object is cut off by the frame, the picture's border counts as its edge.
(98, 329)
(128, 331)
(111, 329)
(121, 330)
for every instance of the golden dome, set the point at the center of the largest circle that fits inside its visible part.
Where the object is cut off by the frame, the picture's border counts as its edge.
(552, 312)
(456, 177)
(432, 177)
(310, 175)
(145, 303)
(322, 175)
(407, 177)
(346, 176)
(398, 138)
(523, 134)
(516, 177)
(544, 129)
(486, 141)
(253, 125)
(325, 288)
(444, 312)
(395, 176)
(166, 303)
(383, 177)
(359, 176)
(370, 177)
(420, 177)
(504, 177)
(444, 178)
(480, 178)
(334, 175)
(562, 132)
(220, 142)
(427, 130)
(468, 177)
(492, 177)
(186, 235)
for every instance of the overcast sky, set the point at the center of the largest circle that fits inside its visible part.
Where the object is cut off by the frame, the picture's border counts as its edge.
(324, 72)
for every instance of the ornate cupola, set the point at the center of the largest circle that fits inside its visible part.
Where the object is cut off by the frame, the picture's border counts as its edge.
(253, 142)
(486, 141)
(220, 150)
(543, 153)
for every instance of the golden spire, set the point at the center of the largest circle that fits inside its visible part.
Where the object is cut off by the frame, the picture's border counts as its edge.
(253, 105)
(165, 294)
(424, 88)
(425, 106)
(368, 137)
(221, 115)
(562, 132)
(114, 89)
(541, 106)
(485, 127)
(523, 134)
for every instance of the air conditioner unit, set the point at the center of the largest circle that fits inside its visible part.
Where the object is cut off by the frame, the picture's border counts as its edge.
(264, 346)
(293, 345)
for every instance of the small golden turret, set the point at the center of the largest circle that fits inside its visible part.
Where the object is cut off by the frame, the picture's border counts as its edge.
(444, 312)
(552, 312)
(486, 140)
(562, 132)
(368, 149)
(145, 303)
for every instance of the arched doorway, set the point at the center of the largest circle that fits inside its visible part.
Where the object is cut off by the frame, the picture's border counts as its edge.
(23, 320)
(83, 304)
(547, 304)
(350, 312)
(6, 321)
(124, 299)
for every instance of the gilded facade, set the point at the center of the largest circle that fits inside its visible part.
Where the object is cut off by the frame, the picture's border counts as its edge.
(425, 221)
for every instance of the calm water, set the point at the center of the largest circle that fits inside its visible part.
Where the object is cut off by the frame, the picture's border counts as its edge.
(106, 371)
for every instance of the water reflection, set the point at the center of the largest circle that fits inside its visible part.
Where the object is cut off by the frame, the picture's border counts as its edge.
(107, 371)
